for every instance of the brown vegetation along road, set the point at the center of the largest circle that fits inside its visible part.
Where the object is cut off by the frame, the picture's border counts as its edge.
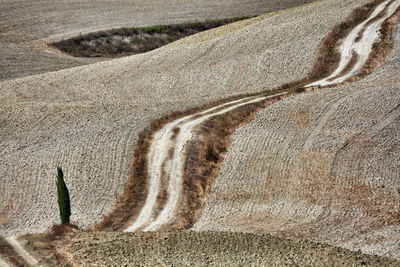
(321, 166)
(9, 256)
(162, 165)
(356, 48)
(88, 118)
(166, 156)
(317, 166)
(21, 252)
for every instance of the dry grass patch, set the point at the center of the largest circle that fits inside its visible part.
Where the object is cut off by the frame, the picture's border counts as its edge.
(189, 248)
(128, 41)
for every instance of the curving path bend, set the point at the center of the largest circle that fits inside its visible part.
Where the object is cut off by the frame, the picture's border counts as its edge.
(354, 52)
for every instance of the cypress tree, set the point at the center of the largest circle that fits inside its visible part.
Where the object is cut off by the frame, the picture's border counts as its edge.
(63, 197)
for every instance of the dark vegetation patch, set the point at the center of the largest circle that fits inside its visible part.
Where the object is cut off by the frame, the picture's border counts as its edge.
(128, 41)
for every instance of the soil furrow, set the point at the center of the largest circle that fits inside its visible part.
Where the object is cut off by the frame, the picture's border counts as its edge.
(350, 51)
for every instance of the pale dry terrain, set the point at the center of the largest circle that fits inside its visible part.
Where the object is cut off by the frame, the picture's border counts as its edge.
(188, 248)
(87, 118)
(175, 173)
(27, 26)
(322, 166)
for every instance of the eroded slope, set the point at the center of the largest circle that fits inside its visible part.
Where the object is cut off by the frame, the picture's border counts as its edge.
(321, 166)
(87, 118)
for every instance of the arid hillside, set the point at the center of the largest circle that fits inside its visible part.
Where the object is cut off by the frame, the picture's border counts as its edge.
(87, 118)
(322, 166)
(27, 26)
(250, 136)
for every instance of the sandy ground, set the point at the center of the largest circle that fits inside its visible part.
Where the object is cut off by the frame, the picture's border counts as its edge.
(87, 118)
(27, 26)
(187, 248)
(321, 166)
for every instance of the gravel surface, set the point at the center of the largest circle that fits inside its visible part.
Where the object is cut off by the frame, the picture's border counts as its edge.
(27, 26)
(187, 248)
(87, 118)
(322, 166)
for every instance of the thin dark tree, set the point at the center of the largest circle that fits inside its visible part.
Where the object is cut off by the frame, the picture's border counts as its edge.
(63, 197)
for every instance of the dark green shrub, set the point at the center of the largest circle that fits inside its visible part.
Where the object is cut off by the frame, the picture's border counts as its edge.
(63, 197)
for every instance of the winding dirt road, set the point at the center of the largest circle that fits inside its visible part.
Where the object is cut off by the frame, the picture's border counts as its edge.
(353, 47)
(167, 151)
(160, 163)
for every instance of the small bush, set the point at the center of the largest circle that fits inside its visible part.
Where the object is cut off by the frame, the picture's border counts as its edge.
(63, 197)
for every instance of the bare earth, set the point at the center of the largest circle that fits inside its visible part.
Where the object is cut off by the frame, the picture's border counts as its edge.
(26, 27)
(87, 118)
(167, 152)
(321, 166)
(187, 248)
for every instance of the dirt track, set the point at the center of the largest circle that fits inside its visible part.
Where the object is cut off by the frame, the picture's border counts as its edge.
(163, 166)
(171, 168)
(12, 240)
(320, 166)
(275, 174)
(361, 48)
(87, 118)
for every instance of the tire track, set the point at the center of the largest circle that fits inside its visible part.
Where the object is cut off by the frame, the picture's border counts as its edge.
(354, 53)
(159, 153)
(353, 45)
(21, 252)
